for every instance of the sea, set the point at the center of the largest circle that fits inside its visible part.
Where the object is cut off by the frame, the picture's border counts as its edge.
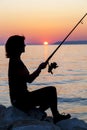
(69, 78)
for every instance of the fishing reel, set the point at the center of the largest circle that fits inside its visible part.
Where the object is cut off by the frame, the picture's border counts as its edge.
(51, 67)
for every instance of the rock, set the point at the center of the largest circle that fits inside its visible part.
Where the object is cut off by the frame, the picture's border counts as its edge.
(2, 111)
(37, 114)
(37, 127)
(79, 128)
(13, 119)
(3, 125)
(72, 124)
(13, 114)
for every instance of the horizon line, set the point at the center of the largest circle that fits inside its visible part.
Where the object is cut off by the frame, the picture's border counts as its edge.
(58, 42)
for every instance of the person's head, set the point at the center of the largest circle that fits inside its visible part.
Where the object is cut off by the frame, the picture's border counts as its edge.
(14, 46)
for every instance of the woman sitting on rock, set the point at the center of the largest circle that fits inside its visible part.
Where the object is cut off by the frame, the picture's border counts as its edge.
(18, 76)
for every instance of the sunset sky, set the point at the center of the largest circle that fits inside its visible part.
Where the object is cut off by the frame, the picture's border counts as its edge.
(42, 20)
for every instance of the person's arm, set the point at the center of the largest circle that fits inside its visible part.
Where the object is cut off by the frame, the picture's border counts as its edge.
(36, 73)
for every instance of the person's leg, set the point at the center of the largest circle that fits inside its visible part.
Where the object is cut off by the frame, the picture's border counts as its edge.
(45, 98)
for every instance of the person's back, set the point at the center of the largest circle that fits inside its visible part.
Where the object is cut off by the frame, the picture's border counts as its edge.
(17, 80)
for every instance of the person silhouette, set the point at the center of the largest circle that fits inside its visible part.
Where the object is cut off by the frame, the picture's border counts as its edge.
(18, 76)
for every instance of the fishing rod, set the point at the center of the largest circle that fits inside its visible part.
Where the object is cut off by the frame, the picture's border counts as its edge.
(54, 64)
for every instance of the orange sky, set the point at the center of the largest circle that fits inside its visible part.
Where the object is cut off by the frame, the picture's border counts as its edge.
(42, 20)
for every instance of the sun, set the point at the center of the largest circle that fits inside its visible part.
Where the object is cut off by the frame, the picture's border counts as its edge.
(45, 43)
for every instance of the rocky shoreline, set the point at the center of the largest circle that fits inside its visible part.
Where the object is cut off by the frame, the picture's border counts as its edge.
(14, 119)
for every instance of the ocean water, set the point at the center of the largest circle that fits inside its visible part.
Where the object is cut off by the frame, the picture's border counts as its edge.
(70, 78)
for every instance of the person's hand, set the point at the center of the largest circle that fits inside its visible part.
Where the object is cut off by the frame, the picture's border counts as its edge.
(43, 65)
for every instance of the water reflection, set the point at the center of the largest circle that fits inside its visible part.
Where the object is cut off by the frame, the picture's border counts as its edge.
(45, 52)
